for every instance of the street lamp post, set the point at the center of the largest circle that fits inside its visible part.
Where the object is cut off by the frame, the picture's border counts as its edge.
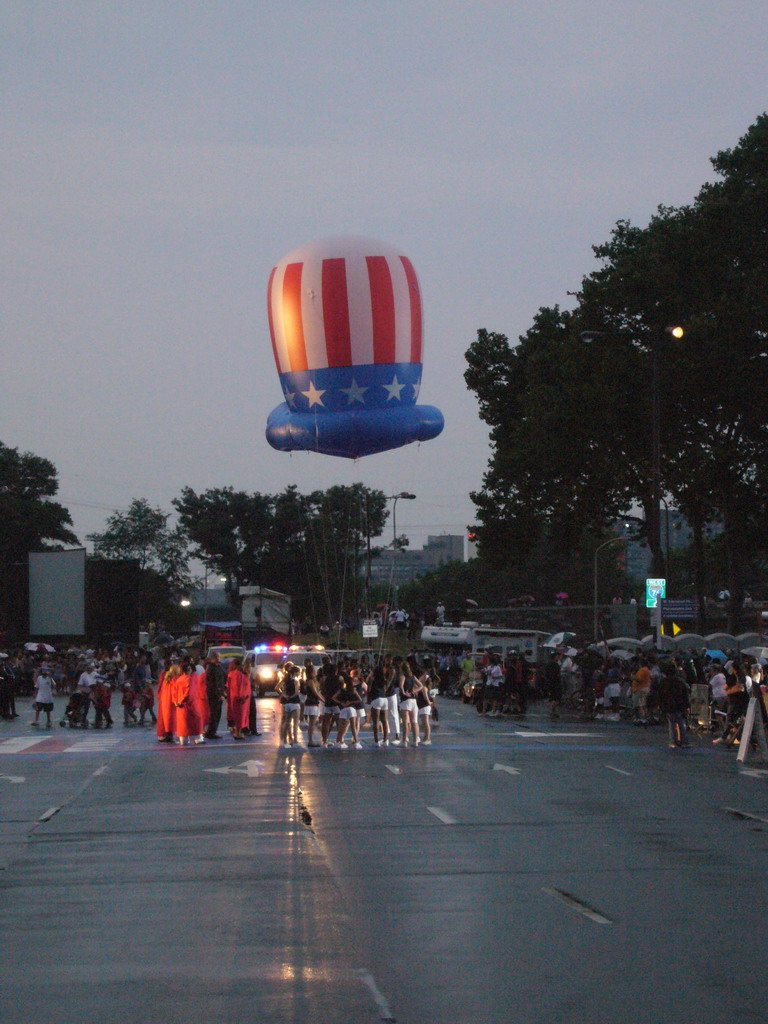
(605, 544)
(394, 498)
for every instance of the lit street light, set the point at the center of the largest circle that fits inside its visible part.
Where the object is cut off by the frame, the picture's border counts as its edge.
(653, 529)
(394, 498)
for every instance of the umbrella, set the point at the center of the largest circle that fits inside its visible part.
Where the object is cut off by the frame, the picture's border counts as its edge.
(42, 648)
(756, 652)
(627, 643)
(562, 596)
(3, 654)
(471, 601)
(622, 655)
(559, 640)
(712, 653)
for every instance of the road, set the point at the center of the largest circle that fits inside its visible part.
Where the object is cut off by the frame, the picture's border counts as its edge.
(537, 872)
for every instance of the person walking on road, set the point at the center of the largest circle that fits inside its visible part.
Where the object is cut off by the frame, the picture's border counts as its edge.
(674, 702)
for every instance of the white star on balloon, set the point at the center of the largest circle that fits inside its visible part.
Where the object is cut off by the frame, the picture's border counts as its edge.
(290, 397)
(394, 388)
(314, 396)
(354, 393)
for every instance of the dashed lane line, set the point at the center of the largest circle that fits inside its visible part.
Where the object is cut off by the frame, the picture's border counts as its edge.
(578, 905)
(441, 815)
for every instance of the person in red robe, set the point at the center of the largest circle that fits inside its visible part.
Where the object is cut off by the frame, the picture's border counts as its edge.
(166, 718)
(198, 695)
(238, 698)
(186, 720)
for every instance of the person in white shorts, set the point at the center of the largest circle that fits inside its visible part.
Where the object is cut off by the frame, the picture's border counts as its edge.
(313, 706)
(377, 698)
(289, 691)
(409, 687)
(392, 674)
(350, 701)
(424, 710)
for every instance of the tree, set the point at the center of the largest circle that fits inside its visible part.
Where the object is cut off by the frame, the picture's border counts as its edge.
(571, 421)
(142, 535)
(309, 546)
(31, 520)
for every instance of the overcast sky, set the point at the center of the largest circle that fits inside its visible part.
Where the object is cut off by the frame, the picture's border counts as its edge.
(158, 158)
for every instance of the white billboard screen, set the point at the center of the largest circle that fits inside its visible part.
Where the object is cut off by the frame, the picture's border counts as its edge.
(57, 593)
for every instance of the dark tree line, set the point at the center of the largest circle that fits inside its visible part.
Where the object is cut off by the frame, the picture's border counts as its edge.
(570, 407)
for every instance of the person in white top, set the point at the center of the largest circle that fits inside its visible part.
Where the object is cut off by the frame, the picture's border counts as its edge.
(43, 696)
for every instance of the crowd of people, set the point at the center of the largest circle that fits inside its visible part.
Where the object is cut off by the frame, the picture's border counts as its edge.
(184, 697)
(647, 689)
(395, 696)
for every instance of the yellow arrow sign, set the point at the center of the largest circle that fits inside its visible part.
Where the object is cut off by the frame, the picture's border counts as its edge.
(675, 629)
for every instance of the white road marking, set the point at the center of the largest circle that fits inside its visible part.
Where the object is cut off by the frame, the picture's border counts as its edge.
(578, 905)
(250, 768)
(13, 778)
(746, 815)
(20, 743)
(754, 773)
(547, 735)
(99, 746)
(392, 768)
(49, 814)
(442, 815)
(100, 771)
(506, 768)
(370, 983)
(619, 771)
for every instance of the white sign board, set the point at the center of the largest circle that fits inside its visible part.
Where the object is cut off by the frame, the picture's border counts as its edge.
(370, 628)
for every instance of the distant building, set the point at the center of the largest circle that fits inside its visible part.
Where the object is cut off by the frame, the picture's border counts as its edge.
(403, 566)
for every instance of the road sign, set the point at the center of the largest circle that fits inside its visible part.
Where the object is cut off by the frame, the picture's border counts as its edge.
(654, 591)
(679, 608)
(370, 628)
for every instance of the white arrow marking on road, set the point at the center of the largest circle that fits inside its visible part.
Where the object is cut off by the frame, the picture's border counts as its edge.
(619, 770)
(13, 778)
(506, 768)
(392, 768)
(49, 814)
(442, 815)
(755, 773)
(547, 735)
(249, 768)
(746, 815)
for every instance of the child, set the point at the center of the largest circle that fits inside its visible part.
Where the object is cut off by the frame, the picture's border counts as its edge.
(43, 696)
(102, 699)
(129, 713)
(147, 703)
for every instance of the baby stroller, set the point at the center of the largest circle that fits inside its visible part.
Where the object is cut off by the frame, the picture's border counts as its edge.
(76, 712)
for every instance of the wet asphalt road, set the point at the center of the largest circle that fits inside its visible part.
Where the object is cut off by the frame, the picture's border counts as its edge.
(536, 873)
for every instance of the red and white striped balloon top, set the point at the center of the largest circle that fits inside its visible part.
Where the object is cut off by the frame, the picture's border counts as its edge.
(344, 302)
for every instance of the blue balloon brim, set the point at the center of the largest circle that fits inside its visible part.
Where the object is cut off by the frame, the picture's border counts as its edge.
(351, 435)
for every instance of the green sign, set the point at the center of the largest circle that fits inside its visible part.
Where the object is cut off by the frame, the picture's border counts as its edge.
(655, 590)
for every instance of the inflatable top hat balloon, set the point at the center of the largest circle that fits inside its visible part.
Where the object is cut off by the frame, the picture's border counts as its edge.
(345, 317)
